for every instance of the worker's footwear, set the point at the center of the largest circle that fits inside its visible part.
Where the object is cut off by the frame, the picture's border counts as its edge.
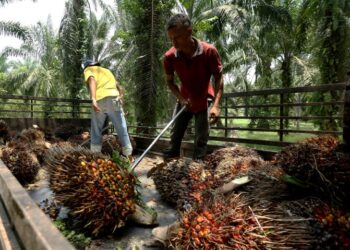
(170, 154)
(131, 158)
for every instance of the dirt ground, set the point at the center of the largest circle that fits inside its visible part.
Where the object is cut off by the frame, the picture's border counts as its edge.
(132, 236)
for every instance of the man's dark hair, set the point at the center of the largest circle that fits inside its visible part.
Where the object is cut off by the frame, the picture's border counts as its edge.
(179, 20)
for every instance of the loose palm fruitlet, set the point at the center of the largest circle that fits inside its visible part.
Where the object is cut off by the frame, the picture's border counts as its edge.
(99, 192)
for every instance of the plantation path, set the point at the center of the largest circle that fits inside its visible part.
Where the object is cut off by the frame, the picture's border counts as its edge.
(132, 236)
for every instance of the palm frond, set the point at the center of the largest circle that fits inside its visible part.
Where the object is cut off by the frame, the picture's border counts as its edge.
(14, 29)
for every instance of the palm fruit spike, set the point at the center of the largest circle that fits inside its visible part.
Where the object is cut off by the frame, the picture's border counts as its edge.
(99, 193)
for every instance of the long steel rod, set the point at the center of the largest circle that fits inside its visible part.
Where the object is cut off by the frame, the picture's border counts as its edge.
(138, 160)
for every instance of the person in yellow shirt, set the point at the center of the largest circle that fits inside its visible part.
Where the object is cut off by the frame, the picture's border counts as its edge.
(105, 103)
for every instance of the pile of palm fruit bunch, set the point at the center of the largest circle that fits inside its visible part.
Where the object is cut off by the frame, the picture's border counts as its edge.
(318, 166)
(231, 223)
(24, 153)
(36, 141)
(184, 182)
(110, 143)
(98, 191)
(23, 164)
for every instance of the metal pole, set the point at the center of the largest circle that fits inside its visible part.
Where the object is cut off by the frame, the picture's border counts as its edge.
(138, 160)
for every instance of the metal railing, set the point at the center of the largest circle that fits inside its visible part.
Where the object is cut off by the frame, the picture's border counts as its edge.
(272, 117)
(276, 117)
(42, 107)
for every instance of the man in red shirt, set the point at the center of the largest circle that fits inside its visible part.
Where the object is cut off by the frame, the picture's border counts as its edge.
(194, 62)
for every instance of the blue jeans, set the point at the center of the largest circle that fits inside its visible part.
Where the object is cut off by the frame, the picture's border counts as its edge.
(112, 108)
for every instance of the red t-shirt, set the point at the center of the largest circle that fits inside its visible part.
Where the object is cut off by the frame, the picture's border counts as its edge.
(194, 73)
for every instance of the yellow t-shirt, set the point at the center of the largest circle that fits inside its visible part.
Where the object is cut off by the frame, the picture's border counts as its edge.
(106, 85)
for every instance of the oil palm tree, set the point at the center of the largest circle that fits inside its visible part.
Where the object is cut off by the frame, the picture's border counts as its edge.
(11, 28)
(326, 25)
(38, 73)
(146, 35)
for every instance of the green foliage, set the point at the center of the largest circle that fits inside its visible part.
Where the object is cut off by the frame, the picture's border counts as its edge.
(78, 240)
(74, 42)
(14, 29)
(121, 161)
(145, 82)
(38, 73)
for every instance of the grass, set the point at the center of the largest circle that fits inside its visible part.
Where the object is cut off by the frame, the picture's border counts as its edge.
(267, 136)
(256, 135)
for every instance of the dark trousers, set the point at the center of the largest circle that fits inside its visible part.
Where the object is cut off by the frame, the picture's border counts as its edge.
(201, 131)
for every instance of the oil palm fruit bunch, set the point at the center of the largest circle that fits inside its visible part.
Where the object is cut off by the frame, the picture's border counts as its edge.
(182, 181)
(36, 142)
(218, 155)
(331, 228)
(110, 143)
(99, 192)
(80, 138)
(230, 168)
(302, 159)
(231, 223)
(265, 185)
(316, 164)
(171, 179)
(67, 130)
(4, 131)
(31, 140)
(23, 163)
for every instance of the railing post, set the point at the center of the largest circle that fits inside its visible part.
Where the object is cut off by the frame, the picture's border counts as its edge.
(31, 109)
(226, 114)
(346, 115)
(281, 116)
(75, 108)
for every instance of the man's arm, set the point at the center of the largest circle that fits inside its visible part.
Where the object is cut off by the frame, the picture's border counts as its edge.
(175, 90)
(219, 89)
(92, 88)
